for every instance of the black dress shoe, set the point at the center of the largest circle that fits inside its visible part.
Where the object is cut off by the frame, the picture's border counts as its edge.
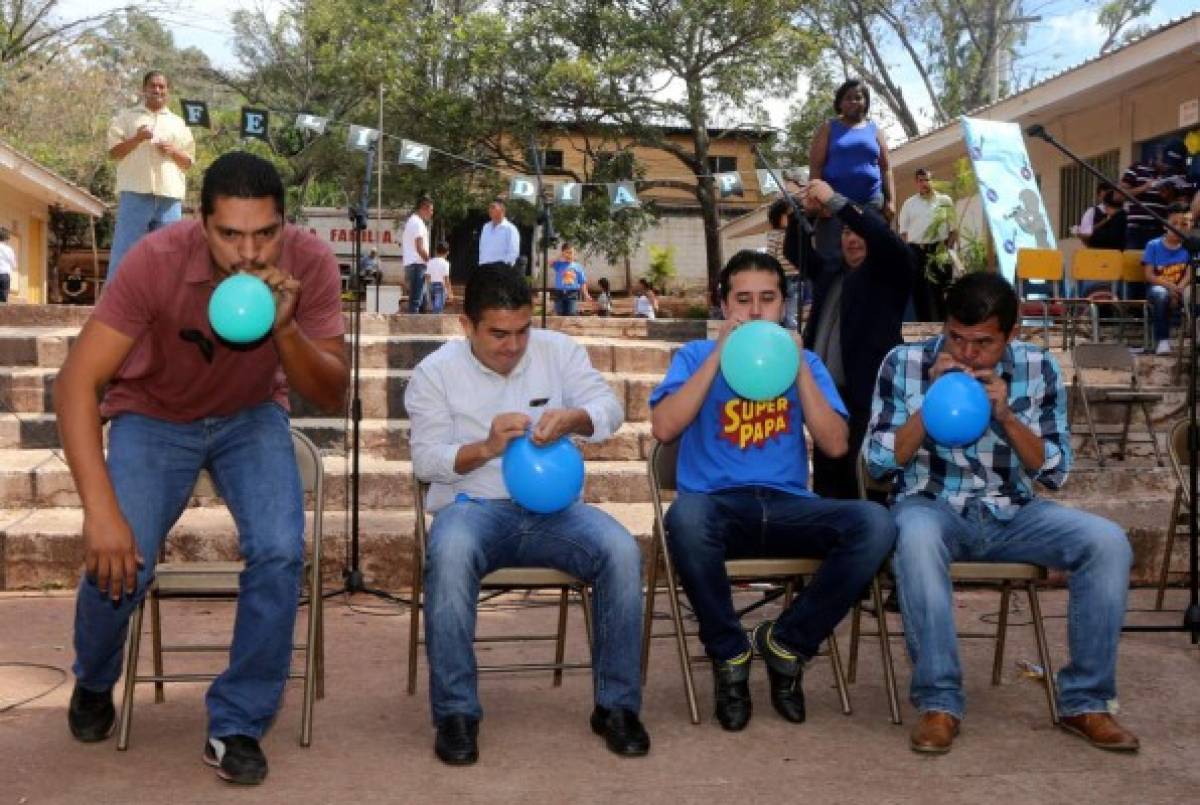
(731, 691)
(91, 714)
(623, 732)
(785, 671)
(455, 743)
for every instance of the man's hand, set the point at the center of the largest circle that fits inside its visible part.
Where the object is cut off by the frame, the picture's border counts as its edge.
(728, 325)
(505, 428)
(816, 194)
(144, 133)
(554, 424)
(889, 211)
(287, 293)
(111, 557)
(946, 363)
(165, 148)
(997, 394)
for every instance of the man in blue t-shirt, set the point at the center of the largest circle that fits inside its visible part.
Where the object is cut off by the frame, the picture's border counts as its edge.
(570, 283)
(1168, 275)
(743, 492)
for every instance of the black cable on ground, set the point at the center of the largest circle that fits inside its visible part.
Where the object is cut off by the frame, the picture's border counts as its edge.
(41, 667)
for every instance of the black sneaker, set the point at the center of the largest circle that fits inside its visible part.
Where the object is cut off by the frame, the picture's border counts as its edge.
(91, 715)
(237, 758)
(785, 671)
(731, 692)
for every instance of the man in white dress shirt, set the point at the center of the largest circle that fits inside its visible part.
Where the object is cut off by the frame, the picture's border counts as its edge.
(466, 402)
(499, 240)
(414, 247)
(917, 228)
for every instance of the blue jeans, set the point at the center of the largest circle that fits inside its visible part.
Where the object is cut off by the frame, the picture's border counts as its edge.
(414, 278)
(566, 303)
(1160, 311)
(437, 297)
(1093, 550)
(471, 538)
(153, 465)
(703, 530)
(138, 214)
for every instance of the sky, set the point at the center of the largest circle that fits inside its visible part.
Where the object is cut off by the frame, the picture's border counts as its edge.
(1066, 36)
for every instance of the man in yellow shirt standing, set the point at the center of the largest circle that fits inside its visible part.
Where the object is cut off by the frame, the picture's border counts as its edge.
(153, 148)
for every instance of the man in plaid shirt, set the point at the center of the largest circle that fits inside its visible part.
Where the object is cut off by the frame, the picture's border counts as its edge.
(977, 503)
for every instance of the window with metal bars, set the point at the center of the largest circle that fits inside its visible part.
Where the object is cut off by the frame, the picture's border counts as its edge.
(1077, 189)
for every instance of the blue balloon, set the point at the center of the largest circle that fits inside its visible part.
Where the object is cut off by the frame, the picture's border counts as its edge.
(760, 360)
(543, 479)
(956, 410)
(241, 309)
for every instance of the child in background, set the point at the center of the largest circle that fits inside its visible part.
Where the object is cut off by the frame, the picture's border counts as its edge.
(604, 298)
(645, 303)
(570, 283)
(438, 274)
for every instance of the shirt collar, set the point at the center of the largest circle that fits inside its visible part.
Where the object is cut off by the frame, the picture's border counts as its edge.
(517, 371)
(199, 270)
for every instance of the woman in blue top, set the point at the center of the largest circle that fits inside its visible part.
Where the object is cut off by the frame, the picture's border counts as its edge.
(850, 153)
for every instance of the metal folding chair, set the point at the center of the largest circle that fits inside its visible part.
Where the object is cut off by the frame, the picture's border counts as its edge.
(1177, 525)
(1004, 575)
(1107, 307)
(661, 466)
(503, 580)
(219, 581)
(1119, 369)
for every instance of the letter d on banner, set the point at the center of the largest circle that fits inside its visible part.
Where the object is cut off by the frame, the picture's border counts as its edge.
(524, 188)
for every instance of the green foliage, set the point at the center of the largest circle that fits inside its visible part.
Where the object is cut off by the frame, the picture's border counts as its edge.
(971, 248)
(662, 266)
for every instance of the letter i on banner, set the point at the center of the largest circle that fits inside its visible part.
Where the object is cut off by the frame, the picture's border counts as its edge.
(568, 194)
(416, 154)
(254, 123)
(195, 113)
(622, 195)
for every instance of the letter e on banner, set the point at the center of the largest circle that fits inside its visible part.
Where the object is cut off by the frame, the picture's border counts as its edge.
(254, 123)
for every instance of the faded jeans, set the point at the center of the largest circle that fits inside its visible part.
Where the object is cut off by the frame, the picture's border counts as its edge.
(138, 214)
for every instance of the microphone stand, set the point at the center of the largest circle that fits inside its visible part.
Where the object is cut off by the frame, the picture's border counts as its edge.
(352, 574)
(543, 218)
(804, 231)
(1191, 617)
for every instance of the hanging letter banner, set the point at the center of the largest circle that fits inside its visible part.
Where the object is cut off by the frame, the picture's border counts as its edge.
(1012, 200)
(622, 195)
(361, 137)
(311, 123)
(195, 113)
(414, 154)
(568, 194)
(523, 188)
(729, 184)
(254, 123)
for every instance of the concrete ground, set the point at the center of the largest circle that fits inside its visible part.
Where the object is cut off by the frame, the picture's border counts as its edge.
(373, 743)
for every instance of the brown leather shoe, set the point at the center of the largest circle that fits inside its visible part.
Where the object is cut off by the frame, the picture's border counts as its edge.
(1100, 730)
(934, 733)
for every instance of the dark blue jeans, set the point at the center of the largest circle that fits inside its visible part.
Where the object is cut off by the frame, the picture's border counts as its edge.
(703, 530)
(153, 465)
(471, 538)
(414, 277)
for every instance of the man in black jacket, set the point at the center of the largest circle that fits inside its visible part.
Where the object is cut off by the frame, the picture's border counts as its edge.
(855, 321)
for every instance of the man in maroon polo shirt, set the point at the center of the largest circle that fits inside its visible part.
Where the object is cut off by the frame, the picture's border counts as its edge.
(181, 400)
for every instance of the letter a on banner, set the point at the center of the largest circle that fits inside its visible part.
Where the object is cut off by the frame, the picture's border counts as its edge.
(254, 123)
(524, 188)
(311, 123)
(622, 195)
(361, 137)
(568, 194)
(195, 113)
(414, 154)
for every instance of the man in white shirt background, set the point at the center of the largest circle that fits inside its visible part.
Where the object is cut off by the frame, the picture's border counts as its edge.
(916, 226)
(499, 240)
(8, 264)
(414, 245)
(154, 149)
(466, 402)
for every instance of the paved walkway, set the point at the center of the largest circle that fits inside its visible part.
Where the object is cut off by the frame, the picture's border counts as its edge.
(373, 743)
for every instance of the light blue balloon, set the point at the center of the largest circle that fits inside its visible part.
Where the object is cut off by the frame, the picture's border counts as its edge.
(242, 309)
(543, 479)
(760, 360)
(956, 410)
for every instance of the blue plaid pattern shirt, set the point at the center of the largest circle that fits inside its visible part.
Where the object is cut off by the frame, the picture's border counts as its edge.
(990, 470)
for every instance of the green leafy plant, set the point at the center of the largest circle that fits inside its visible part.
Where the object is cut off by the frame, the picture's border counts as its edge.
(662, 266)
(970, 247)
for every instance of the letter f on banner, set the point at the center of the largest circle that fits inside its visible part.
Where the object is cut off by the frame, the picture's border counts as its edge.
(195, 113)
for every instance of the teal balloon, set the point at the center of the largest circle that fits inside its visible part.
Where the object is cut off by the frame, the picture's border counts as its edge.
(956, 410)
(242, 309)
(760, 360)
(543, 479)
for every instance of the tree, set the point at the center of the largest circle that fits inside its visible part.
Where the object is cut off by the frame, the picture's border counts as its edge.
(961, 50)
(1115, 15)
(640, 67)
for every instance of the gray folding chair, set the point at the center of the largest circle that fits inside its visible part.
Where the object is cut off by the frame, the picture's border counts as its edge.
(1177, 525)
(1117, 387)
(503, 580)
(219, 581)
(661, 468)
